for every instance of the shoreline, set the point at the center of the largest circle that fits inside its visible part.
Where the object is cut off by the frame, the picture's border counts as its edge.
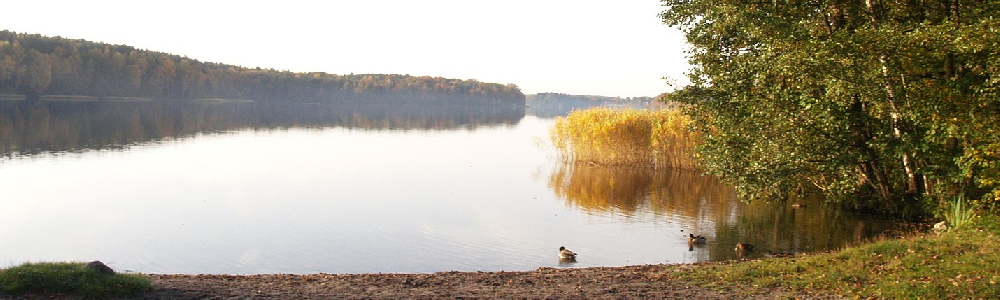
(628, 282)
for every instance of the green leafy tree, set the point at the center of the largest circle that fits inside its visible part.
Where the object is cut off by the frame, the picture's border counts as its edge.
(878, 99)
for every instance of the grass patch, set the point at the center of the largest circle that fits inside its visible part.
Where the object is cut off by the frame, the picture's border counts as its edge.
(960, 264)
(606, 136)
(69, 278)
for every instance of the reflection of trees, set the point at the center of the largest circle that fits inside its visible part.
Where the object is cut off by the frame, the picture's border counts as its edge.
(708, 207)
(628, 190)
(28, 127)
(778, 227)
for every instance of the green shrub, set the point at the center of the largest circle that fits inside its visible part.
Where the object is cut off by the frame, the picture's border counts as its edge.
(69, 278)
(959, 213)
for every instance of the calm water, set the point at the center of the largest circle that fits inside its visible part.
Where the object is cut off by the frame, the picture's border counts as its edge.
(218, 189)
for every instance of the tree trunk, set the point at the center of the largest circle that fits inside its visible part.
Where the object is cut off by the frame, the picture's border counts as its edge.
(870, 167)
(909, 165)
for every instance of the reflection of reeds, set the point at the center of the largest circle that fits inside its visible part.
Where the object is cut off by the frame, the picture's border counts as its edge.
(628, 190)
(659, 138)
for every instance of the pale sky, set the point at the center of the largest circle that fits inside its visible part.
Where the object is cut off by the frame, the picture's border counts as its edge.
(582, 47)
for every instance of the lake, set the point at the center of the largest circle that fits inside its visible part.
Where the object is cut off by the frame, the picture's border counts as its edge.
(252, 189)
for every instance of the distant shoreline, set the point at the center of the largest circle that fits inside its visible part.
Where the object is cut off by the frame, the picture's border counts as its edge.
(222, 100)
(82, 98)
(74, 98)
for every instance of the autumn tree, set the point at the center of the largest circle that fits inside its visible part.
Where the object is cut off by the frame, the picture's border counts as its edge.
(33, 74)
(883, 105)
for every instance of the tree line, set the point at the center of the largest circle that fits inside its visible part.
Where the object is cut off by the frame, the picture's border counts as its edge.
(883, 105)
(34, 65)
(559, 104)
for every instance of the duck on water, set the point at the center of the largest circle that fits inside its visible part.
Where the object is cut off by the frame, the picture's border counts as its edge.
(696, 239)
(566, 254)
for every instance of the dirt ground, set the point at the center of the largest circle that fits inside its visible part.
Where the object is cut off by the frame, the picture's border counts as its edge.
(634, 282)
(547, 283)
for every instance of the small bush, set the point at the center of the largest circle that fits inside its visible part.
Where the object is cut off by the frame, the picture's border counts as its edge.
(69, 278)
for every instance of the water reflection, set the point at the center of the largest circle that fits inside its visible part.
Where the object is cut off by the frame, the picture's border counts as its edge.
(781, 227)
(701, 205)
(305, 189)
(31, 127)
(627, 191)
(567, 262)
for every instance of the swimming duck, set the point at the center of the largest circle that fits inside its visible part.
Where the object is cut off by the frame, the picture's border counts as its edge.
(566, 254)
(696, 239)
(742, 249)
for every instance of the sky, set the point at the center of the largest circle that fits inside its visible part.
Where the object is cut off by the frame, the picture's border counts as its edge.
(579, 47)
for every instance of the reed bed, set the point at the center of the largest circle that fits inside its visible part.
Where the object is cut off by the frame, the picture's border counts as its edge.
(604, 136)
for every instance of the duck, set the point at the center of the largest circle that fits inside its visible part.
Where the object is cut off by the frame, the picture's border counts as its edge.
(696, 239)
(742, 249)
(566, 254)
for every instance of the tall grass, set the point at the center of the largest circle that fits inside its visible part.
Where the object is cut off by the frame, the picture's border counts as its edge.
(69, 278)
(658, 138)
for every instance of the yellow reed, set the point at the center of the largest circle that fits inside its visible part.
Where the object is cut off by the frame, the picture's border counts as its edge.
(658, 138)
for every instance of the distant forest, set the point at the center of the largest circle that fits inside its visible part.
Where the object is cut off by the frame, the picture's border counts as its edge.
(558, 104)
(34, 65)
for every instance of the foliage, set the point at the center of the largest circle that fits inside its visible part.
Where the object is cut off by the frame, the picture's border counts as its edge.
(35, 65)
(960, 264)
(886, 100)
(959, 213)
(607, 136)
(71, 278)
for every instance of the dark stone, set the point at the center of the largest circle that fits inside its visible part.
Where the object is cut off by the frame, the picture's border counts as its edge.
(99, 267)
